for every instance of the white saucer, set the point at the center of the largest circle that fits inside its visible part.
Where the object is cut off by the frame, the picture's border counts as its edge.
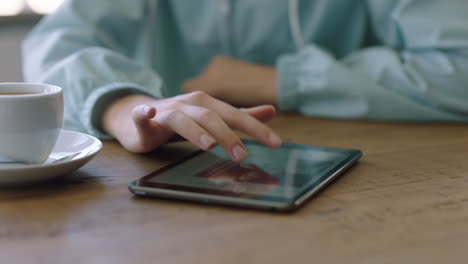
(78, 147)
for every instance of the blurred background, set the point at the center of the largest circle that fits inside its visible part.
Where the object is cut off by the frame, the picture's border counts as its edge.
(17, 18)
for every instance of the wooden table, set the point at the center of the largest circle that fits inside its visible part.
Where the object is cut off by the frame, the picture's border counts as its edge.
(405, 202)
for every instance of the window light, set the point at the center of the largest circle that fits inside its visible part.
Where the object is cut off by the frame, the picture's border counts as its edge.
(11, 7)
(43, 6)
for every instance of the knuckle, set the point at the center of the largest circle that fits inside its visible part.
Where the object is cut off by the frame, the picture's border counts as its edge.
(173, 105)
(170, 115)
(199, 95)
(195, 97)
(207, 114)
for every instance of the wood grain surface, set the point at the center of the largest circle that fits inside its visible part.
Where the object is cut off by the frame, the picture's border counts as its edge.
(406, 201)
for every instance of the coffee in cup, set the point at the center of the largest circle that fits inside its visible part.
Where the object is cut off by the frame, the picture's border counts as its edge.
(31, 117)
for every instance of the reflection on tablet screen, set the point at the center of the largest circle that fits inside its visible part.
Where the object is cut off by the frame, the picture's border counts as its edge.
(283, 173)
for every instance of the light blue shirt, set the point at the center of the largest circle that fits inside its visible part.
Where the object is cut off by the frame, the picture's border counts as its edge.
(404, 60)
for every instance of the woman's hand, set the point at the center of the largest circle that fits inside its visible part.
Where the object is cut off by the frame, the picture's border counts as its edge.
(141, 123)
(236, 82)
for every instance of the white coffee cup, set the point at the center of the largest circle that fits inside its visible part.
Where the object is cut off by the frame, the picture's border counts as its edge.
(31, 117)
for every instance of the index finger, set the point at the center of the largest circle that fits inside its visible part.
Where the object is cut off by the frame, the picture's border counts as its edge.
(240, 120)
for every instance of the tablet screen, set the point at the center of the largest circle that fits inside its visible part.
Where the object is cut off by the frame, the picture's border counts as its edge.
(281, 174)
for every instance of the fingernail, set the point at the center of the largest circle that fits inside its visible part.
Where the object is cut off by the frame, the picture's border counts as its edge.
(275, 139)
(146, 109)
(239, 153)
(206, 141)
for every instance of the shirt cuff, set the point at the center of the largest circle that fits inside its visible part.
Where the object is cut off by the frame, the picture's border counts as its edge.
(297, 73)
(287, 68)
(98, 101)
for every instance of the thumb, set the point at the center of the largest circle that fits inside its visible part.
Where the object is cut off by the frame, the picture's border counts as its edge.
(142, 116)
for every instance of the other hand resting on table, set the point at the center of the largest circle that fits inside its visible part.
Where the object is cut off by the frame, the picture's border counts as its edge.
(236, 82)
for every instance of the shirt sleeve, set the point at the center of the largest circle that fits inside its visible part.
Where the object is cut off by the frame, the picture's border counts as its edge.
(88, 48)
(419, 73)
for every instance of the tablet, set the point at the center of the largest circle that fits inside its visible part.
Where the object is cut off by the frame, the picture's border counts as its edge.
(273, 179)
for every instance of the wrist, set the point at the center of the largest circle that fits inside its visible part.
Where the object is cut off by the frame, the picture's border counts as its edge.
(262, 84)
(268, 84)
